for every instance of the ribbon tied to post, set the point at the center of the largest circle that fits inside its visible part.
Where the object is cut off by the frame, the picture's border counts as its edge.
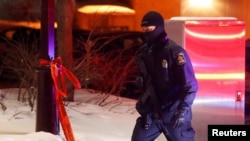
(58, 73)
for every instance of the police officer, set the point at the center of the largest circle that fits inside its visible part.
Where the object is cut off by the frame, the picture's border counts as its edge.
(175, 86)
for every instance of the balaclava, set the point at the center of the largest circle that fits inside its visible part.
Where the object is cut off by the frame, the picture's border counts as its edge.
(153, 18)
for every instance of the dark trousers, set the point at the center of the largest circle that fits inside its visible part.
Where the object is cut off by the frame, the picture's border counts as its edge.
(184, 133)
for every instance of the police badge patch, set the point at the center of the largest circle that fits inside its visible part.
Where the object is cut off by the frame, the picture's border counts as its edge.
(164, 63)
(180, 59)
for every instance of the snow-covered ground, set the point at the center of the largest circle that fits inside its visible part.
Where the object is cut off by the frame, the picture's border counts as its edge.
(113, 122)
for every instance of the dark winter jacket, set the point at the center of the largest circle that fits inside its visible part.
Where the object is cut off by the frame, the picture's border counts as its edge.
(172, 75)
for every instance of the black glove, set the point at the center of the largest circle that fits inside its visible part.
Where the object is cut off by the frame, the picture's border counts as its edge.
(178, 119)
(144, 108)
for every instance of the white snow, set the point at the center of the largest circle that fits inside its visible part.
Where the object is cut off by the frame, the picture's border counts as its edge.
(112, 122)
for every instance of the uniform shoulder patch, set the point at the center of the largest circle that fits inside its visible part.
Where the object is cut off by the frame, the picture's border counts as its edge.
(180, 58)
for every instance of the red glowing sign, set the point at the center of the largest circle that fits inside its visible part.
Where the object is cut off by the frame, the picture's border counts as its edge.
(217, 50)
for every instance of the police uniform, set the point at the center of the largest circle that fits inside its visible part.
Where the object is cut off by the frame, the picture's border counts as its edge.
(174, 83)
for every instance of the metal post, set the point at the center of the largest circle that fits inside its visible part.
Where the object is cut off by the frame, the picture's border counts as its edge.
(46, 117)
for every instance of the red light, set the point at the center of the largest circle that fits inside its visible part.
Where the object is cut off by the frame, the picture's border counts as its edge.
(218, 56)
(238, 96)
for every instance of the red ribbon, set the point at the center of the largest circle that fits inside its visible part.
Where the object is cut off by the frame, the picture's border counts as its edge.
(58, 73)
(54, 65)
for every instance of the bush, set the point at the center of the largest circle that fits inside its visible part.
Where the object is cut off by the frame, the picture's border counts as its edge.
(103, 62)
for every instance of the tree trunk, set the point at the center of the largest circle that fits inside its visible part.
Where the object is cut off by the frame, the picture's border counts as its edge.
(64, 16)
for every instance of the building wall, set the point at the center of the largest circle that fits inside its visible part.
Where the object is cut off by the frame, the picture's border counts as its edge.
(230, 8)
(167, 8)
(220, 8)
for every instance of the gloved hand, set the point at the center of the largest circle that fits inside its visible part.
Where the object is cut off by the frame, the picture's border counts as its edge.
(178, 119)
(144, 108)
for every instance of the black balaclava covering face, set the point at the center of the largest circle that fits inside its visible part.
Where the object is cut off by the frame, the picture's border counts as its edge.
(153, 18)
